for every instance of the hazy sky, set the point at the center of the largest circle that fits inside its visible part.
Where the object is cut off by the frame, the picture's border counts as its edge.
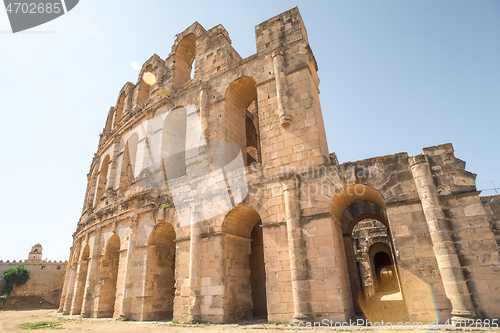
(395, 76)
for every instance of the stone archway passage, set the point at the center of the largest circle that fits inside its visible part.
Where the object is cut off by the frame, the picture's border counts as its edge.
(383, 269)
(246, 283)
(108, 278)
(351, 206)
(258, 273)
(160, 285)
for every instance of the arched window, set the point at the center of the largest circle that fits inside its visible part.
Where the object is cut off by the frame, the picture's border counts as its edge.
(145, 85)
(184, 59)
(128, 163)
(119, 109)
(173, 147)
(103, 180)
(109, 121)
(239, 128)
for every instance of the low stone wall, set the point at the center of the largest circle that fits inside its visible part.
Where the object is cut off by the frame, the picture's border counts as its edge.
(46, 280)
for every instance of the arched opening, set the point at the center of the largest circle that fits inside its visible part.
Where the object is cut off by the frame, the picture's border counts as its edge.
(384, 271)
(173, 146)
(119, 109)
(81, 281)
(258, 273)
(103, 180)
(240, 108)
(251, 142)
(109, 121)
(365, 233)
(108, 278)
(184, 59)
(247, 284)
(128, 163)
(145, 83)
(360, 211)
(160, 280)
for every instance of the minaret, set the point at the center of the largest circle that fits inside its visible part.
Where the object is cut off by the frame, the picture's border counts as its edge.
(36, 253)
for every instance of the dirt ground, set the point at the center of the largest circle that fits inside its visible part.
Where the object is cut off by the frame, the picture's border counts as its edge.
(15, 321)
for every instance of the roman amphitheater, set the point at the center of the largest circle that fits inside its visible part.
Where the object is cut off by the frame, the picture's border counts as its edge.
(213, 197)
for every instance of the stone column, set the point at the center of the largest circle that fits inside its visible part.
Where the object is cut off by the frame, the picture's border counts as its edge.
(300, 284)
(281, 87)
(76, 303)
(67, 281)
(204, 108)
(442, 242)
(71, 288)
(92, 276)
(113, 166)
(194, 310)
(124, 310)
(72, 278)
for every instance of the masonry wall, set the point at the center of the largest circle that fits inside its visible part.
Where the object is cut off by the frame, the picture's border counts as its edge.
(46, 280)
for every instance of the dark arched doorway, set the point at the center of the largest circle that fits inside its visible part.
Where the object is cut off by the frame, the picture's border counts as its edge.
(160, 279)
(246, 297)
(108, 278)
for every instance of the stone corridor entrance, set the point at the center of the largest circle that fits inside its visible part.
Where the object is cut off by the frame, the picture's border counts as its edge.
(108, 278)
(368, 248)
(247, 281)
(160, 276)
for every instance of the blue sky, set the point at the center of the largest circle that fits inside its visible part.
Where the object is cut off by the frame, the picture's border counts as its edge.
(395, 76)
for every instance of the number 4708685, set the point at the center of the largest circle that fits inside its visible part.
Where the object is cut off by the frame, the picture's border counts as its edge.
(33, 8)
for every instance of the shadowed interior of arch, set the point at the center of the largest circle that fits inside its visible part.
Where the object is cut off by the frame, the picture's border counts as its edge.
(160, 276)
(103, 179)
(128, 162)
(144, 86)
(360, 211)
(108, 277)
(245, 246)
(241, 114)
(184, 60)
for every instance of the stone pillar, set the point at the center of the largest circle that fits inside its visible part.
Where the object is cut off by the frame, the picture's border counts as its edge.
(204, 108)
(71, 289)
(124, 310)
(72, 278)
(76, 303)
(194, 310)
(281, 87)
(67, 281)
(300, 284)
(114, 163)
(442, 242)
(92, 276)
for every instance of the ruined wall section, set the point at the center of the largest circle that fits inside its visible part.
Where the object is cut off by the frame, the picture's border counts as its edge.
(491, 205)
(420, 279)
(471, 230)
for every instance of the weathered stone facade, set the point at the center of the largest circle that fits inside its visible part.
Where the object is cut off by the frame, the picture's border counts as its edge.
(287, 251)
